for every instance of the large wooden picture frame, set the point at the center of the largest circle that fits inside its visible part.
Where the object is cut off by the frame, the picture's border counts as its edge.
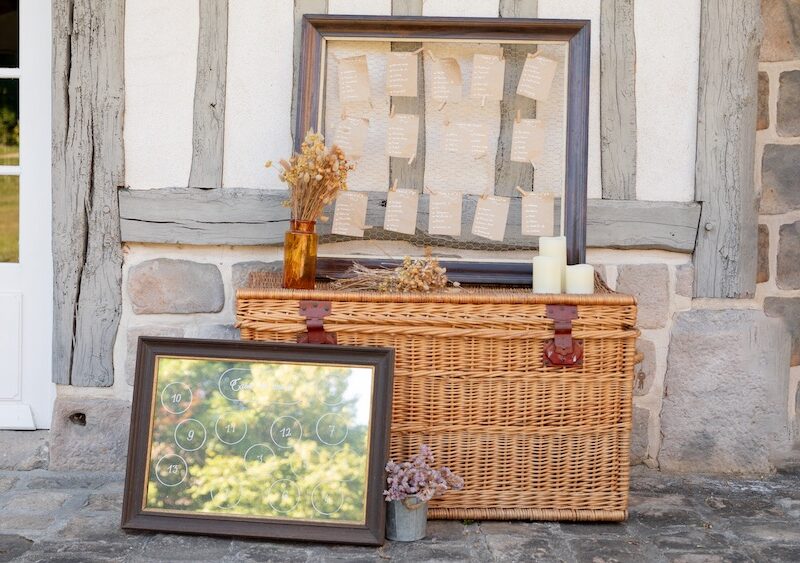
(318, 30)
(266, 440)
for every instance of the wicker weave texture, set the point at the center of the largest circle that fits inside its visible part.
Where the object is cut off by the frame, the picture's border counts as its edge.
(532, 442)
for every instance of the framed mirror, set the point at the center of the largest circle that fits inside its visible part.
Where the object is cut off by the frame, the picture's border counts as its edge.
(259, 439)
(480, 109)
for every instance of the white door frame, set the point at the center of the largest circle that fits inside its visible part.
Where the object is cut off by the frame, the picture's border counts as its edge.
(26, 288)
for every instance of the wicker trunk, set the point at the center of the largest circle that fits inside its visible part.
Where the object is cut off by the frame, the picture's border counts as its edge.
(532, 442)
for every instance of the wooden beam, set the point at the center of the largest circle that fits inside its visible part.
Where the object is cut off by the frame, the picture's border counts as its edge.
(507, 174)
(301, 7)
(209, 95)
(410, 176)
(725, 262)
(249, 217)
(617, 99)
(88, 165)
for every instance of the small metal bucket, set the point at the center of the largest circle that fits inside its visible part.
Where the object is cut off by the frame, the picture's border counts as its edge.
(406, 520)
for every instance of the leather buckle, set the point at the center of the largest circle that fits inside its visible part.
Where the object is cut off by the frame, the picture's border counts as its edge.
(562, 349)
(315, 312)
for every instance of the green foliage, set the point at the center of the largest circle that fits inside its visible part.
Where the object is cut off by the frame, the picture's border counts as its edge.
(276, 418)
(9, 219)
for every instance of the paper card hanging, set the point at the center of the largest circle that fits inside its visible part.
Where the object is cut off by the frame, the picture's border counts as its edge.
(537, 77)
(354, 79)
(401, 74)
(488, 73)
(471, 138)
(527, 141)
(401, 211)
(350, 214)
(444, 213)
(351, 136)
(401, 135)
(446, 80)
(491, 216)
(537, 211)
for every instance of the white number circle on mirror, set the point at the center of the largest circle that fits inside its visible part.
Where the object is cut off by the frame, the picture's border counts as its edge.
(285, 431)
(332, 429)
(171, 470)
(176, 397)
(230, 431)
(327, 498)
(283, 496)
(227, 496)
(257, 454)
(190, 435)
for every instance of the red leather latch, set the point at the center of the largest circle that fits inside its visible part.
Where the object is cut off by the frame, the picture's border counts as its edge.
(315, 312)
(563, 350)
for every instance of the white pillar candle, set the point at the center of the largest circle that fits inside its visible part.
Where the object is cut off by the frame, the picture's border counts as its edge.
(546, 275)
(580, 279)
(556, 247)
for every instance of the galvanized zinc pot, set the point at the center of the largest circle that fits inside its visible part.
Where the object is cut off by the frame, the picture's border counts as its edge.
(407, 519)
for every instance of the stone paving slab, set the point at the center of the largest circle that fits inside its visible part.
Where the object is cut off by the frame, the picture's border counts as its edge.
(74, 517)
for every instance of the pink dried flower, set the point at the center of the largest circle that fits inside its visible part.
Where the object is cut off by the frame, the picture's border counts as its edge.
(418, 478)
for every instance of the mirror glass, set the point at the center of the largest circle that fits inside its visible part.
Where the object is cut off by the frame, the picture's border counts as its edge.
(264, 439)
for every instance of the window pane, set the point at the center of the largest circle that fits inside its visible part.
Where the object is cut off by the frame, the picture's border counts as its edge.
(9, 121)
(9, 33)
(9, 218)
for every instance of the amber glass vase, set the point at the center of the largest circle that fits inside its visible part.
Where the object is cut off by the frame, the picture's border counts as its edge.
(300, 255)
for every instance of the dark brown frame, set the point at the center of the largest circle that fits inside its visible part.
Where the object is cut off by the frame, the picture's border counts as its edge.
(370, 533)
(317, 28)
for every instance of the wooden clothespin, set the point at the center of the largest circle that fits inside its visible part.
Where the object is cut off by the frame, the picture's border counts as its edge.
(391, 111)
(418, 51)
(523, 192)
(485, 193)
(518, 117)
(483, 101)
(393, 187)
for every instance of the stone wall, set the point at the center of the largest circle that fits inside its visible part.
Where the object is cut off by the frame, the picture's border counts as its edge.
(778, 176)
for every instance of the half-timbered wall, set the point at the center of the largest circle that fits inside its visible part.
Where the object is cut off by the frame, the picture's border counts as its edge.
(208, 98)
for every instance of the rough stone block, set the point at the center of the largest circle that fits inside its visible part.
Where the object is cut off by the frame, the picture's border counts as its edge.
(763, 101)
(133, 340)
(725, 406)
(781, 30)
(780, 182)
(175, 286)
(787, 308)
(216, 332)
(644, 372)
(649, 283)
(89, 434)
(641, 423)
(23, 450)
(684, 280)
(788, 274)
(244, 269)
(788, 119)
(36, 502)
(763, 254)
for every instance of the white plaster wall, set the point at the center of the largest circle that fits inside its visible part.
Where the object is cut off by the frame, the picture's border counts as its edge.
(465, 8)
(362, 7)
(667, 59)
(585, 10)
(160, 72)
(258, 91)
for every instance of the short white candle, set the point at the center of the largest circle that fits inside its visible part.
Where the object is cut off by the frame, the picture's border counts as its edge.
(556, 247)
(546, 275)
(580, 279)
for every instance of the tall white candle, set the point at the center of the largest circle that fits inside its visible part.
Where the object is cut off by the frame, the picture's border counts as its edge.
(580, 279)
(556, 247)
(546, 275)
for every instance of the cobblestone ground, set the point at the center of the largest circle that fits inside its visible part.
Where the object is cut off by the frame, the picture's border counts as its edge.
(50, 516)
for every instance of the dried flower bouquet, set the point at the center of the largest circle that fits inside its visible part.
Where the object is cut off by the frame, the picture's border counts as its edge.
(314, 177)
(421, 274)
(416, 478)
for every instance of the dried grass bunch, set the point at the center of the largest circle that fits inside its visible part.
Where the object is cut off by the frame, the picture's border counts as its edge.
(421, 274)
(314, 177)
